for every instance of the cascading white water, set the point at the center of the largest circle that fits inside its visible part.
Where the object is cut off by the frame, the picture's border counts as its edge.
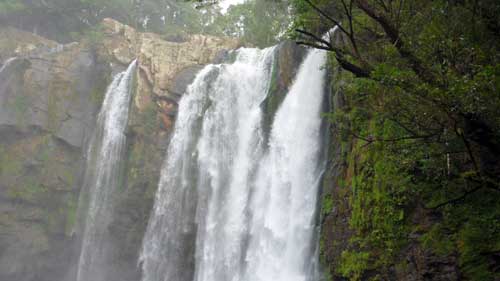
(283, 205)
(103, 176)
(4, 80)
(231, 207)
(7, 63)
(216, 144)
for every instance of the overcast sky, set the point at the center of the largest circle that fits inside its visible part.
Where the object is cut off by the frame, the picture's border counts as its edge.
(226, 3)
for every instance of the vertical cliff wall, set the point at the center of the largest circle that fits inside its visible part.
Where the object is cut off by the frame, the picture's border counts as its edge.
(48, 101)
(347, 251)
(50, 96)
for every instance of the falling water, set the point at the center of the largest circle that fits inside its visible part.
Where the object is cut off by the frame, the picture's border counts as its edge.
(7, 63)
(5, 76)
(215, 147)
(102, 177)
(12, 100)
(283, 205)
(231, 206)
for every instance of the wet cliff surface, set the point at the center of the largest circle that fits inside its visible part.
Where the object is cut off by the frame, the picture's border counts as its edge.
(47, 111)
(340, 236)
(50, 96)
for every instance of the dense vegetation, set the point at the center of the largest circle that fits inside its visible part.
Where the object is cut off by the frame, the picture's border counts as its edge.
(257, 22)
(422, 119)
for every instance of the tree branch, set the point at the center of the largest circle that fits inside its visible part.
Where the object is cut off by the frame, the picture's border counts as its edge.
(313, 45)
(339, 54)
(316, 38)
(354, 69)
(393, 34)
(372, 139)
(458, 199)
(319, 11)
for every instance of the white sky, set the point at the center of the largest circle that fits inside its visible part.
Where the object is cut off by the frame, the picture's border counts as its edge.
(224, 4)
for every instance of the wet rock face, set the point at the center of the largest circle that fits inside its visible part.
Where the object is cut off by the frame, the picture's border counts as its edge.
(286, 63)
(56, 92)
(165, 67)
(14, 42)
(423, 265)
(38, 176)
(49, 96)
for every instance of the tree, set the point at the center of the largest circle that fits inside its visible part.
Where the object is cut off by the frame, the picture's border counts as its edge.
(260, 23)
(424, 96)
(58, 19)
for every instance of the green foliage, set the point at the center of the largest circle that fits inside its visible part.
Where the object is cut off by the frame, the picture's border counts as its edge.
(93, 37)
(9, 164)
(475, 242)
(260, 23)
(423, 140)
(149, 120)
(326, 204)
(353, 264)
(436, 240)
(304, 17)
(9, 6)
(381, 188)
(29, 190)
(97, 95)
(257, 22)
(76, 19)
(70, 213)
(53, 112)
(98, 90)
(20, 105)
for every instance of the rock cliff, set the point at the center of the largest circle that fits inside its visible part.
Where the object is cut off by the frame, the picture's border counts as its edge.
(50, 95)
(48, 102)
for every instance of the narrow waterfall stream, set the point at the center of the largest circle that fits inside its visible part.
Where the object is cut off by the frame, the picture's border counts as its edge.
(283, 206)
(231, 205)
(102, 177)
(5, 76)
(7, 63)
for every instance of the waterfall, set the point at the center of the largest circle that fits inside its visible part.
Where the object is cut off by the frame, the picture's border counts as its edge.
(13, 102)
(283, 205)
(102, 177)
(215, 145)
(7, 63)
(233, 205)
(5, 76)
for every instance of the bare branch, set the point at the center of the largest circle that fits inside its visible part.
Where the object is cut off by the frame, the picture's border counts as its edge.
(316, 38)
(319, 11)
(354, 69)
(458, 199)
(393, 34)
(372, 139)
(313, 45)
